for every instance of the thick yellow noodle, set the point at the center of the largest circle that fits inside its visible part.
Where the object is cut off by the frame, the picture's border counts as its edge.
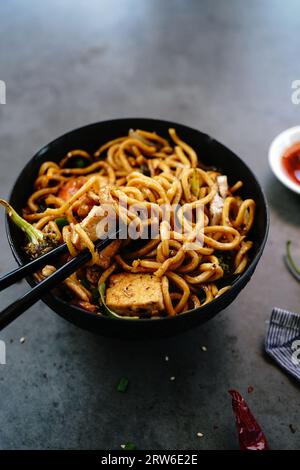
(148, 172)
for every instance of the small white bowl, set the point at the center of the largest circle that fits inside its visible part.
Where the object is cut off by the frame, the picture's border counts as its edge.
(277, 148)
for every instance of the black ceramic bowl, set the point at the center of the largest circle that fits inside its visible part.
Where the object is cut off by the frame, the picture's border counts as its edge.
(211, 152)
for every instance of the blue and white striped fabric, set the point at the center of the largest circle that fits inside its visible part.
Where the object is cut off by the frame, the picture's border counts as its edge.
(283, 340)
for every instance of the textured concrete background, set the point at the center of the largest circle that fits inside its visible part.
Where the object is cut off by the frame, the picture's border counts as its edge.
(223, 67)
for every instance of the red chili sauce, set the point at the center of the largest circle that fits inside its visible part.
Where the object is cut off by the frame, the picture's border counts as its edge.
(291, 162)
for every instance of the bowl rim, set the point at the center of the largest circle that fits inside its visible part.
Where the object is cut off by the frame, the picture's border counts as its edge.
(241, 281)
(279, 144)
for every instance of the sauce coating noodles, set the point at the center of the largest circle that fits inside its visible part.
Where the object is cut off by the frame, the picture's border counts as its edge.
(143, 171)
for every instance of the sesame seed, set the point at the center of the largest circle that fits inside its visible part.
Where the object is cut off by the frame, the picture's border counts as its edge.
(204, 348)
(199, 434)
(22, 340)
(122, 446)
(172, 378)
(167, 358)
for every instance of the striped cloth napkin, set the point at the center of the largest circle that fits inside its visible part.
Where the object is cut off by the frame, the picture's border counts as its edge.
(283, 340)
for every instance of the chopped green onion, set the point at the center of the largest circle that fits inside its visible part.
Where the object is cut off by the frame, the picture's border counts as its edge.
(61, 222)
(129, 446)
(290, 258)
(123, 384)
(110, 313)
(79, 162)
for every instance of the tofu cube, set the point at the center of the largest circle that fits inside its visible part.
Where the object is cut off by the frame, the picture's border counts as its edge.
(134, 293)
(105, 211)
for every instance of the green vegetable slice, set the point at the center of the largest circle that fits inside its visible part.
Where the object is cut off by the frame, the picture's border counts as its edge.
(123, 384)
(61, 222)
(129, 446)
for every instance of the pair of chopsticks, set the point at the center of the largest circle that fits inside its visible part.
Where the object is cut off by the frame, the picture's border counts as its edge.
(11, 312)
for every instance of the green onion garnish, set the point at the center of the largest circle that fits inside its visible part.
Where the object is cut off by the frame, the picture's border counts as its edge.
(123, 384)
(129, 446)
(61, 222)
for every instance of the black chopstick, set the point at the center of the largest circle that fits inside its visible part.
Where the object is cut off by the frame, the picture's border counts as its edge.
(17, 274)
(11, 312)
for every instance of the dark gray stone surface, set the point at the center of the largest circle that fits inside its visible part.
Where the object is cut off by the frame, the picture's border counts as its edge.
(223, 67)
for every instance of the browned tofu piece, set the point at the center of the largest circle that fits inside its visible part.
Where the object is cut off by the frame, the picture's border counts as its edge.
(90, 225)
(98, 213)
(134, 293)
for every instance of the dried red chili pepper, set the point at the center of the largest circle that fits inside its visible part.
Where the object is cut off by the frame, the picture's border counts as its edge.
(251, 436)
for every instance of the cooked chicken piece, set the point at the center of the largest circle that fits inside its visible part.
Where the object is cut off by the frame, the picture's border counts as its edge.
(216, 208)
(217, 203)
(223, 185)
(48, 270)
(131, 293)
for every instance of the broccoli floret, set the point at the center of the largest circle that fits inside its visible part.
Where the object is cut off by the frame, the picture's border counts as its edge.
(39, 243)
